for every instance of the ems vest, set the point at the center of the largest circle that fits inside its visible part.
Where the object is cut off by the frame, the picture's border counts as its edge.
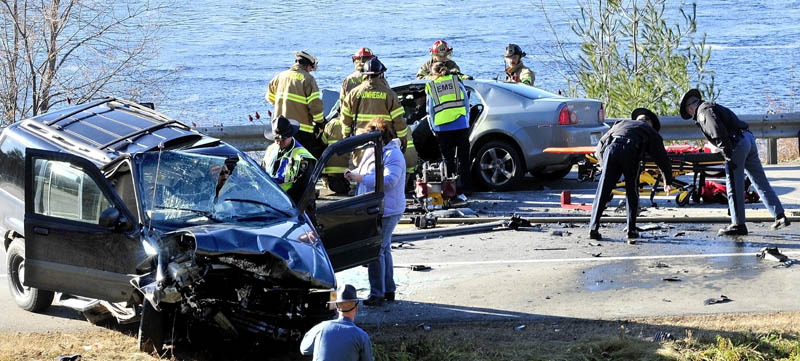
(448, 100)
(286, 171)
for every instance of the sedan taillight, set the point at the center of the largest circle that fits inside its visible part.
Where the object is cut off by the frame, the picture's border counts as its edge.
(566, 117)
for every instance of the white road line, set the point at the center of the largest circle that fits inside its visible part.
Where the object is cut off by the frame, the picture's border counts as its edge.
(592, 259)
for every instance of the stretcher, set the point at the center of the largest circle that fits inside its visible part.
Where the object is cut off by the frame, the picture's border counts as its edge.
(684, 159)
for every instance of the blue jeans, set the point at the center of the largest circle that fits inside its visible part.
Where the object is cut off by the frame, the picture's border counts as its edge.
(381, 272)
(745, 157)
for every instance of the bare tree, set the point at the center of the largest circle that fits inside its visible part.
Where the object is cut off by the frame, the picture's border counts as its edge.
(55, 51)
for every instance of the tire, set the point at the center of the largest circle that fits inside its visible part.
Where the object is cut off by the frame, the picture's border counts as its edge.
(28, 298)
(553, 175)
(682, 198)
(498, 166)
(151, 330)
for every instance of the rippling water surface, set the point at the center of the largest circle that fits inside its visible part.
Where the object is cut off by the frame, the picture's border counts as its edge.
(227, 51)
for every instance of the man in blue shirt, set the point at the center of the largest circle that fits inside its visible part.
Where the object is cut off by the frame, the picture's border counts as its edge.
(339, 339)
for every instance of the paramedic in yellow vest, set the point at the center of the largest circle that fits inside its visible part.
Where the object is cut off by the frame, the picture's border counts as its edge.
(440, 53)
(516, 71)
(448, 115)
(295, 95)
(287, 161)
(333, 173)
(373, 99)
(356, 77)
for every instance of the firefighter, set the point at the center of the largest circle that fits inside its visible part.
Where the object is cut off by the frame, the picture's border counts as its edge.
(372, 99)
(354, 79)
(333, 173)
(620, 151)
(295, 95)
(448, 109)
(440, 52)
(286, 160)
(516, 71)
(724, 129)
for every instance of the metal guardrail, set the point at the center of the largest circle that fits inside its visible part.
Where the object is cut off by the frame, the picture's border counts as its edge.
(772, 126)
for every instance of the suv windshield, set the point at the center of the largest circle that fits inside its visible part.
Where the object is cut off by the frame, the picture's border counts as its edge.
(184, 188)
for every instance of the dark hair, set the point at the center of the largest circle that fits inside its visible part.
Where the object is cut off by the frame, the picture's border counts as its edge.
(304, 62)
(440, 69)
(387, 132)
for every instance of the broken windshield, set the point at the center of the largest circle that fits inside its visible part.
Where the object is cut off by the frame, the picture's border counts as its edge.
(189, 188)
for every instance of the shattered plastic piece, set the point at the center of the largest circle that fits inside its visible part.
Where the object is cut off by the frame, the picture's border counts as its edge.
(661, 336)
(557, 233)
(660, 264)
(650, 227)
(597, 254)
(550, 249)
(672, 279)
(424, 327)
(595, 244)
(420, 267)
(75, 357)
(679, 234)
(519, 328)
(713, 301)
(772, 254)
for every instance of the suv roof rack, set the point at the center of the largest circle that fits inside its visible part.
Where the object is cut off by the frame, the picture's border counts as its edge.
(102, 129)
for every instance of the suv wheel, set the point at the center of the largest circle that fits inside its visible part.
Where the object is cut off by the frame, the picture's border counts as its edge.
(151, 329)
(28, 298)
(498, 166)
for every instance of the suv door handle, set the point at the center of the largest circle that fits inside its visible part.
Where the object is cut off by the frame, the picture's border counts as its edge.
(41, 230)
(373, 210)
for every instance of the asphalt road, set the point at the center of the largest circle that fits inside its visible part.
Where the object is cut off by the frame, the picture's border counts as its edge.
(557, 271)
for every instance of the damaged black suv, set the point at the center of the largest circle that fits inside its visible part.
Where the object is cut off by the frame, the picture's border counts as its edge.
(116, 209)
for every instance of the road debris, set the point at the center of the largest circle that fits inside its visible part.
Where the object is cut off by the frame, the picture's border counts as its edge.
(650, 227)
(550, 249)
(596, 254)
(424, 327)
(420, 267)
(595, 244)
(671, 279)
(772, 254)
(662, 336)
(402, 244)
(631, 241)
(69, 358)
(660, 264)
(519, 328)
(425, 221)
(714, 301)
(678, 234)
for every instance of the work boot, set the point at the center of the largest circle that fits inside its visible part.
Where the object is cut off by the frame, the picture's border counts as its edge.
(633, 234)
(388, 296)
(595, 235)
(373, 301)
(780, 222)
(733, 230)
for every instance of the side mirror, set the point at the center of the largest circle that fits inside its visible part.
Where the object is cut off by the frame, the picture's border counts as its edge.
(109, 218)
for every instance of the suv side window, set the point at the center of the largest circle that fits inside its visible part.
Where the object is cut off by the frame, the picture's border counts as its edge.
(12, 162)
(64, 191)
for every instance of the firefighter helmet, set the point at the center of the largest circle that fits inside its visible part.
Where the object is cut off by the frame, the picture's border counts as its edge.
(373, 66)
(363, 53)
(440, 47)
(308, 57)
(514, 49)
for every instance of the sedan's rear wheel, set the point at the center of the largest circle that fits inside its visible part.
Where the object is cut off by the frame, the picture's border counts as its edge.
(28, 298)
(499, 166)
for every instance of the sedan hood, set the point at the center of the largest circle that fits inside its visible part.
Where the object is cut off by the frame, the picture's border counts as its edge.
(288, 246)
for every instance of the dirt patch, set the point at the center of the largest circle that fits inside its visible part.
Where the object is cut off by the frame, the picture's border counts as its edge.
(550, 339)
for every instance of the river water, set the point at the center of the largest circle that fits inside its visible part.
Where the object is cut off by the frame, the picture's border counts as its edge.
(227, 51)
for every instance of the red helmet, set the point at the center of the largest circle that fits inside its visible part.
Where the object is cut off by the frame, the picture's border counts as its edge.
(440, 47)
(363, 53)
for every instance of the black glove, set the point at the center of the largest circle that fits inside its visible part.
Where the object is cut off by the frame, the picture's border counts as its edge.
(319, 128)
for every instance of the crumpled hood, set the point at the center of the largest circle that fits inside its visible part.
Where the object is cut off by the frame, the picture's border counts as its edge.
(294, 242)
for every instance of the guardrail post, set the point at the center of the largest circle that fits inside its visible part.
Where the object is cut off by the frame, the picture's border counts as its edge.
(772, 151)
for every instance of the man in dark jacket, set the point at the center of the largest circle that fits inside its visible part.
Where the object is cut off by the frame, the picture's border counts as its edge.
(724, 129)
(620, 151)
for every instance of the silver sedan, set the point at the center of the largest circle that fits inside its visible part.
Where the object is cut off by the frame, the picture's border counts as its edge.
(511, 124)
